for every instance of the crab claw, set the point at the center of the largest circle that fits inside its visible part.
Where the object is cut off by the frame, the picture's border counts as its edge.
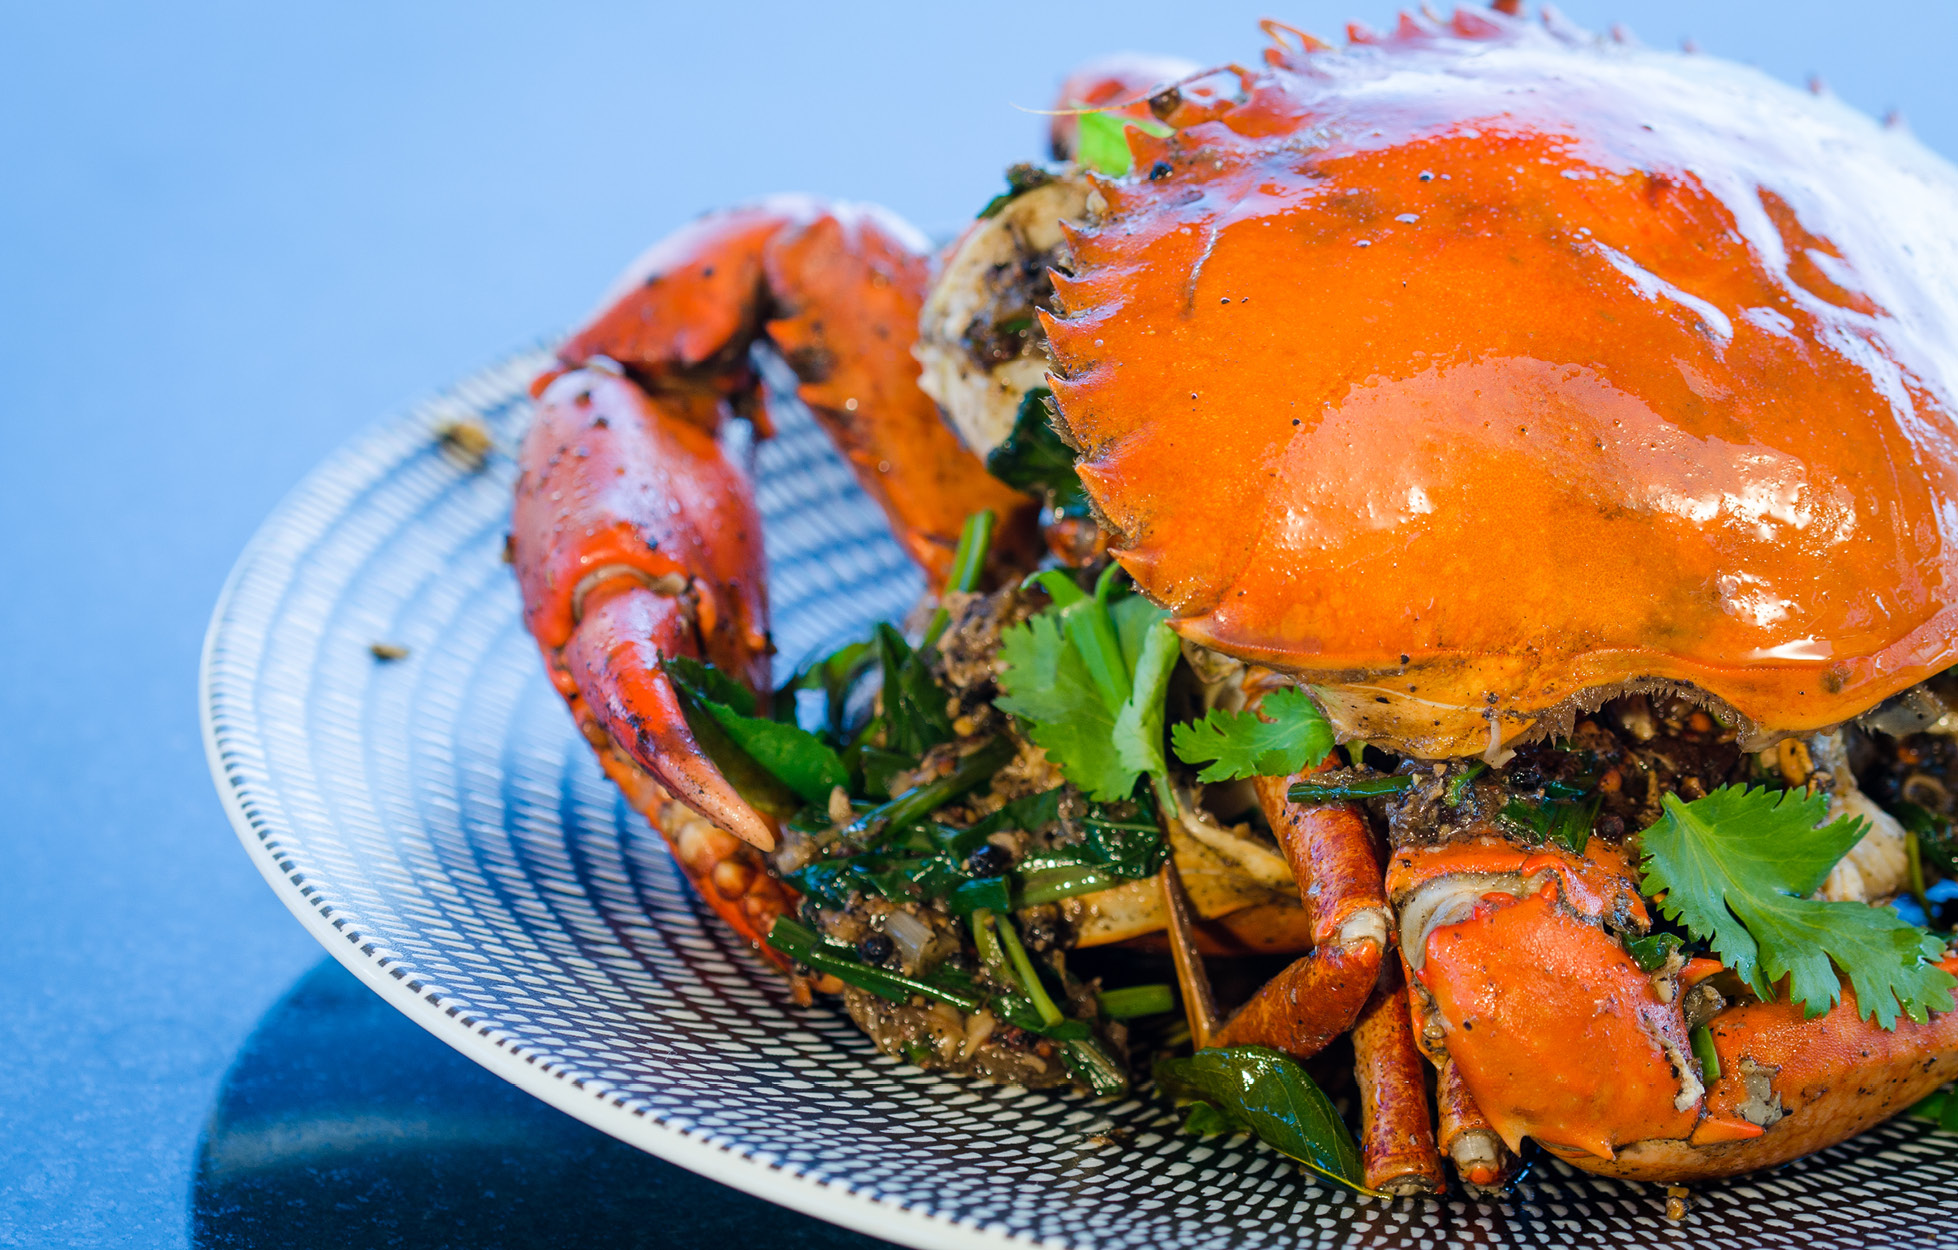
(1528, 996)
(636, 541)
(615, 658)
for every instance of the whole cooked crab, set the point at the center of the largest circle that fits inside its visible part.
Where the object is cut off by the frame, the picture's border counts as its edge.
(1578, 425)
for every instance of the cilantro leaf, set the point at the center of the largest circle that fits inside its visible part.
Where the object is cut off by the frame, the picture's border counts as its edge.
(1735, 868)
(1285, 735)
(1087, 675)
(1139, 724)
(1104, 142)
(1045, 683)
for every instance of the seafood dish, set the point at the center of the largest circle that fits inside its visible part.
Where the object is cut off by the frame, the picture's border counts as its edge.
(1442, 603)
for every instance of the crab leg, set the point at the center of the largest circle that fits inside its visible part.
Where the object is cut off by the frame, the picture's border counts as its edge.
(1396, 1134)
(1464, 1132)
(837, 290)
(1331, 851)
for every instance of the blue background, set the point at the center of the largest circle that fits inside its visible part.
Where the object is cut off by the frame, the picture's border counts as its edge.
(232, 235)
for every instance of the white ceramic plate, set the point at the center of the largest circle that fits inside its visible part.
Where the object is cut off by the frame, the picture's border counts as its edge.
(438, 825)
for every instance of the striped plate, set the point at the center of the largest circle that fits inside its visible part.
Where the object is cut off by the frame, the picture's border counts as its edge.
(436, 823)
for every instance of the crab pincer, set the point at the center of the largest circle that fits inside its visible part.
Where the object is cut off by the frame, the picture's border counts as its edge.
(635, 534)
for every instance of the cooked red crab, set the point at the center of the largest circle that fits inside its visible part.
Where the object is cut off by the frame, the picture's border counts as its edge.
(1473, 378)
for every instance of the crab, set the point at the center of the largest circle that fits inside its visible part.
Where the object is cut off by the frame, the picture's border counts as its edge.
(1490, 382)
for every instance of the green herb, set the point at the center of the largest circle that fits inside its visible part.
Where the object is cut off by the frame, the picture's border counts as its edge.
(968, 565)
(881, 767)
(1940, 1108)
(1139, 723)
(1564, 822)
(1205, 1120)
(1034, 459)
(1091, 628)
(794, 757)
(1137, 1000)
(1103, 145)
(1094, 1066)
(1272, 1096)
(1651, 953)
(1702, 1039)
(913, 703)
(1556, 789)
(834, 675)
(921, 801)
(1360, 788)
(982, 894)
(1025, 973)
(1462, 780)
(991, 953)
(1059, 881)
(1069, 673)
(1286, 734)
(896, 876)
(1020, 179)
(806, 947)
(1029, 813)
(1736, 868)
(1934, 836)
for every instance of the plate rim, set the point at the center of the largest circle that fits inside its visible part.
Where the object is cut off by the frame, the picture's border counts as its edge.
(825, 1200)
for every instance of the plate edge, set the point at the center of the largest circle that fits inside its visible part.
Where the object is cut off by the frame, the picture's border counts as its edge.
(821, 1199)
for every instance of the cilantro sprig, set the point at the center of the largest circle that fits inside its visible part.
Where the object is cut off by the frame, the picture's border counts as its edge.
(1736, 868)
(1284, 735)
(1086, 676)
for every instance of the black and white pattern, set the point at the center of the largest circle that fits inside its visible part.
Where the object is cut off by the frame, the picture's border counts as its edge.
(439, 826)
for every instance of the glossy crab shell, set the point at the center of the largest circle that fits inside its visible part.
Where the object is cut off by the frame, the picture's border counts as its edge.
(1479, 372)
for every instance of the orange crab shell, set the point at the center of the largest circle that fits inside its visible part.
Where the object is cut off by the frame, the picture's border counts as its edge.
(1479, 373)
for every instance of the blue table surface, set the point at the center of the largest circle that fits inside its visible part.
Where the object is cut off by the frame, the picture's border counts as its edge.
(231, 235)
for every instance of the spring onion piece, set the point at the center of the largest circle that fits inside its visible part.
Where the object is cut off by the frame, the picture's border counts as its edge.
(1704, 1052)
(801, 943)
(910, 934)
(990, 954)
(1914, 859)
(921, 801)
(1343, 791)
(1029, 978)
(1461, 783)
(1095, 1067)
(1137, 1000)
(968, 562)
(1050, 885)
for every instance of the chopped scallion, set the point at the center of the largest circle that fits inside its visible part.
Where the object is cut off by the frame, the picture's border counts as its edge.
(802, 944)
(1137, 1000)
(1345, 791)
(1028, 976)
(921, 801)
(1704, 1052)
